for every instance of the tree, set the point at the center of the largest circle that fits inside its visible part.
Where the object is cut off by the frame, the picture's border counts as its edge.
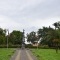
(57, 25)
(57, 35)
(45, 34)
(2, 37)
(32, 37)
(15, 37)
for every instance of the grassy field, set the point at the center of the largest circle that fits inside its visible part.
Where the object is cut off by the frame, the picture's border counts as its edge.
(46, 54)
(5, 53)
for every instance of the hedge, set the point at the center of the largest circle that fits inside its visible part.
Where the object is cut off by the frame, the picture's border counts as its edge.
(10, 46)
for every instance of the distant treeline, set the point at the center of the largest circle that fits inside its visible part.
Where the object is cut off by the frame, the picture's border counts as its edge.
(13, 38)
(47, 35)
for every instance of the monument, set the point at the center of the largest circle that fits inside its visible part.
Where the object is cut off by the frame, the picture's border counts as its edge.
(23, 40)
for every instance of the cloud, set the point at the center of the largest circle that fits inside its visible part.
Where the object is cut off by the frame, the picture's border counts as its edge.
(30, 8)
(16, 7)
(28, 14)
(49, 8)
(8, 23)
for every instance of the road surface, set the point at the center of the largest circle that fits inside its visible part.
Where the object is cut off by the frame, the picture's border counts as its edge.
(23, 54)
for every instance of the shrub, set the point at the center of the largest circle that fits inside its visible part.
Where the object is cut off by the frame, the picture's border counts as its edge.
(10, 46)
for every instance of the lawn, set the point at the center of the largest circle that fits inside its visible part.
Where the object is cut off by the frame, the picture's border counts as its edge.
(5, 54)
(46, 54)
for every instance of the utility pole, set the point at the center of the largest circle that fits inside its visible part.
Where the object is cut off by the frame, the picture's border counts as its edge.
(23, 40)
(7, 37)
(23, 35)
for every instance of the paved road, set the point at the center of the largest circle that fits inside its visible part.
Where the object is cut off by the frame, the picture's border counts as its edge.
(16, 55)
(23, 54)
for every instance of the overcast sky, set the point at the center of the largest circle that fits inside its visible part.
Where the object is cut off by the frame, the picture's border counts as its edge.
(28, 14)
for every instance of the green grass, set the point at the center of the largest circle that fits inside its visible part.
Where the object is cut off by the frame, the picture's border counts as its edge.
(46, 54)
(5, 54)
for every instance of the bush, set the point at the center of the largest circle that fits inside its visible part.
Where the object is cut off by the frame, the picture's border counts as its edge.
(10, 46)
(30, 46)
(40, 46)
(44, 46)
(15, 46)
(3, 46)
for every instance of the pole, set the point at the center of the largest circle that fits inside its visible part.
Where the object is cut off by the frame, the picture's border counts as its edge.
(37, 45)
(7, 41)
(23, 35)
(7, 37)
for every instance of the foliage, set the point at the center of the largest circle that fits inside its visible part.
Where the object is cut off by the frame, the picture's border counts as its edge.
(46, 35)
(10, 46)
(49, 36)
(57, 24)
(2, 36)
(30, 46)
(15, 37)
(32, 37)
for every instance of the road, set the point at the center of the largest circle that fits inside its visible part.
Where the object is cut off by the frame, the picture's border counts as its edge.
(23, 54)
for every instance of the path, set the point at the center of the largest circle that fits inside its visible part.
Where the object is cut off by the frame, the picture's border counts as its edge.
(16, 55)
(23, 54)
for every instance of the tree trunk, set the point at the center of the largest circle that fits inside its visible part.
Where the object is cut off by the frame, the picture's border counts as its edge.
(57, 48)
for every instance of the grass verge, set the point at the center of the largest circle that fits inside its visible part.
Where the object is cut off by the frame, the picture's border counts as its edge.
(5, 54)
(46, 54)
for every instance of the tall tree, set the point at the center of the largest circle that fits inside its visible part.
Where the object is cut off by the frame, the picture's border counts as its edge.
(57, 25)
(32, 37)
(45, 34)
(16, 37)
(57, 35)
(2, 37)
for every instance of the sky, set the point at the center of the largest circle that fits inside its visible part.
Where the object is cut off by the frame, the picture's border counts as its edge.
(28, 14)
